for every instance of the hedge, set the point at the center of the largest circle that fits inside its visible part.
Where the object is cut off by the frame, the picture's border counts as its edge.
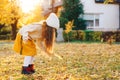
(5, 37)
(86, 35)
(82, 35)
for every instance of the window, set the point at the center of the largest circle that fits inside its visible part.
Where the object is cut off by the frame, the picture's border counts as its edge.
(118, 1)
(92, 20)
(110, 1)
(99, 1)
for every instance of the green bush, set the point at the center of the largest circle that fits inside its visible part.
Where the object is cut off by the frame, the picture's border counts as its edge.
(96, 36)
(92, 35)
(118, 36)
(5, 30)
(81, 35)
(74, 34)
(5, 33)
(88, 35)
(5, 37)
(67, 37)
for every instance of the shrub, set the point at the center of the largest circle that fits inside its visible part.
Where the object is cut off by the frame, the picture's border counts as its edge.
(118, 36)
(108, 34)
(74, 34)
(81, 35)
(96, 36)
(5, 37)
(5, 33)
(88, 35)
(67, 37)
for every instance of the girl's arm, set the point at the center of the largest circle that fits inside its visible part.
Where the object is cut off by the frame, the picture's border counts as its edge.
(24, 31)
(50, 53)
(42, 47)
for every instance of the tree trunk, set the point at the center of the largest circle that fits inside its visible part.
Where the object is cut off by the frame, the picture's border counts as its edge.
(2, 25)
(14, 28)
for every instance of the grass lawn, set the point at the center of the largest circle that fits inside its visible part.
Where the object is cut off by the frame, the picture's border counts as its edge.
(81, 61)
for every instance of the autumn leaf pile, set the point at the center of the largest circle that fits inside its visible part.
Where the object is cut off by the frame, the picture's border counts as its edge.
(81, 61)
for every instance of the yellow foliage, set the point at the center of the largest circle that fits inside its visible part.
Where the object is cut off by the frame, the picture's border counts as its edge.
(10, 12)
(69, 26)
(111, 0)
(107, 1)
(34, 16)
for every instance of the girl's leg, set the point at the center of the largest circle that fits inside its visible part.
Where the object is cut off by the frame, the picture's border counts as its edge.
(32, 60)
(26, 69)
(27, 61)
(31, 65)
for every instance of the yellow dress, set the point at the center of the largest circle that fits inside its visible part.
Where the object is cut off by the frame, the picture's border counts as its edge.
(28, 48)
(22, 44)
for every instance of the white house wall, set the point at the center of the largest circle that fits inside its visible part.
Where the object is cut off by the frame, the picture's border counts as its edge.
(109, 13)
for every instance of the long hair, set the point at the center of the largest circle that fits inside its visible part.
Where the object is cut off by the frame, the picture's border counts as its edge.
(48, 34)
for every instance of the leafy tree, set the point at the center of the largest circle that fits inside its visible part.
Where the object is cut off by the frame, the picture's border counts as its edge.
(72, 9)
(69, 26)
(33, 16)
(63, 21)
(16, 13)
(10, 14)
(107, 1)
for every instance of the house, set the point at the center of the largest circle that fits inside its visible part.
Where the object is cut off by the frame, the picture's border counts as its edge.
(100, 16)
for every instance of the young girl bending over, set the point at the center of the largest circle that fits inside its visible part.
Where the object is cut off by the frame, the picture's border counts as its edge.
(43, 33)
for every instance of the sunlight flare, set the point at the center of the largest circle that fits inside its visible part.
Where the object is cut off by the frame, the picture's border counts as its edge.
(28, 5)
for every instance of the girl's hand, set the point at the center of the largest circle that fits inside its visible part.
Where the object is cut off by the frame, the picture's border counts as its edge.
(26, 38)
(58, 56)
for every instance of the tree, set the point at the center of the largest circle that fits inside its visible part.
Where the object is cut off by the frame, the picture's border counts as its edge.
(72, 9)
(33, 16)
(69, 26)
(107, 1)
(10, 14)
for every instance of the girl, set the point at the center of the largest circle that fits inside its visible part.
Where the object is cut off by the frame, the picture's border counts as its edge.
(43, 33)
